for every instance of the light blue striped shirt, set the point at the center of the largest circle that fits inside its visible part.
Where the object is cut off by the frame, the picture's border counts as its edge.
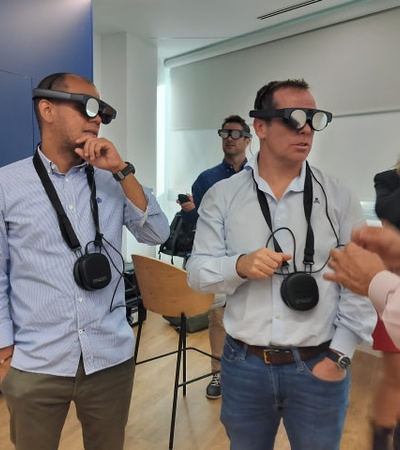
(231, 223)
(43, 313)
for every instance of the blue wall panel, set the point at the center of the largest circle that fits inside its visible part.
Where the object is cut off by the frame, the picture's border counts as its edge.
(15, 118)
(38, 37)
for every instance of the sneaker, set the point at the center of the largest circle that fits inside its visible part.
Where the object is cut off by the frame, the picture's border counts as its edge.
(213, 390)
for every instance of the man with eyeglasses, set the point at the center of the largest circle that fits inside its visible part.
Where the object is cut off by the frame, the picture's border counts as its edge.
(263, 239)
(64, 335)
(236, 137)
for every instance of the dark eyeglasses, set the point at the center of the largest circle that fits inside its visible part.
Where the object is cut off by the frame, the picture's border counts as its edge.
(90, 106)
(234, 134)
(296, 118)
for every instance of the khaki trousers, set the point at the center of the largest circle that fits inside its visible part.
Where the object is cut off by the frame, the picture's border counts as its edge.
(39, 404)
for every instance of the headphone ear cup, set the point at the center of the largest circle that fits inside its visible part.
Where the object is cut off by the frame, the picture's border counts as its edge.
(92, 271)
(299, 291)
(77, 272)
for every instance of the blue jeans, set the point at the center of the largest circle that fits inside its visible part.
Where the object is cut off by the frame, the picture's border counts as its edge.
(256, 396)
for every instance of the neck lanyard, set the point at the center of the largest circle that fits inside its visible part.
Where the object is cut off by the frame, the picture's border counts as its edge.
(66, 229)
(307, 204)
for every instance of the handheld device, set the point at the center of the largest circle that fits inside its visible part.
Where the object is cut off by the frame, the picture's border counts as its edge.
(183, 198)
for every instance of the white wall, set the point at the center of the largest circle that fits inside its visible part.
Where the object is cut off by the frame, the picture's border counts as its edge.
(353, 70)
(125, 72)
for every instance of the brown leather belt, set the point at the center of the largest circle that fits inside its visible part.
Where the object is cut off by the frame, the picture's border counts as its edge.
(282, 355)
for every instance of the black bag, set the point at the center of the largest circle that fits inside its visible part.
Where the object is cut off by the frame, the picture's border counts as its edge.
(181, 236)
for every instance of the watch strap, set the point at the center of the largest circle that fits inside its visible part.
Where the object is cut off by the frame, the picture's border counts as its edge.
(341, 360)
(121, 174)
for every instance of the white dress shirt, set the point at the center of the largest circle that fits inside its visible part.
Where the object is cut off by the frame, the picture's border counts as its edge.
(231, 223)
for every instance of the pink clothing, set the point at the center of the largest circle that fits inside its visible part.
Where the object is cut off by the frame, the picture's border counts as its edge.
(384, 292)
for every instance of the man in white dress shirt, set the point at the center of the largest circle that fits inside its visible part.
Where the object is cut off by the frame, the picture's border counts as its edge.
(263, 238)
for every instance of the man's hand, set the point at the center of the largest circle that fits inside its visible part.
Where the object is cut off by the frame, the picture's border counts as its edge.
(385, 241)
(187, 206)
(260, 264)
(6, 356)
(354, 267)
(327, 370)
(100, 152)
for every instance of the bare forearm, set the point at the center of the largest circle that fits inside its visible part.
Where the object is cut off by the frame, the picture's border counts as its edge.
(134, 191)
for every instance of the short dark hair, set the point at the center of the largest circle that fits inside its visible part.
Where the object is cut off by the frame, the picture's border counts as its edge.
(236, 119)
(265, 95)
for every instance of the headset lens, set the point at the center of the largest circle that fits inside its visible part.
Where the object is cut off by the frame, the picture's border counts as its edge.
(107, 114)
(95, 106)
(234, 134)
(92, 107)
(298, 119)
(317, 119)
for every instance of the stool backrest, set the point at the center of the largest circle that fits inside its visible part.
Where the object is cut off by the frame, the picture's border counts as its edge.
(164, 289)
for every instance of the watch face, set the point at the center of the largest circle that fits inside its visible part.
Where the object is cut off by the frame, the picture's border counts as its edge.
(120, 175)
(344, 362)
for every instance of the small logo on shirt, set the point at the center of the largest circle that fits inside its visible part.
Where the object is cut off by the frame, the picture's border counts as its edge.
(316, 200)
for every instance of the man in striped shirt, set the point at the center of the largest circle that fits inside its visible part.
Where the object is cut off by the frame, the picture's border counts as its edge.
(63, 330)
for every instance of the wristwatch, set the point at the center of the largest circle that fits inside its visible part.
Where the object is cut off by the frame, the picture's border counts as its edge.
(120, 175)
(342, 361)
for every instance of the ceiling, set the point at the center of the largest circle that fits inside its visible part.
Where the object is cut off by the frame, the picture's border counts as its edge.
(177, 27)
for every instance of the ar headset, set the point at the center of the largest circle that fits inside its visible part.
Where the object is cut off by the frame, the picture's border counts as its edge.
(299, 290)
(91, 270)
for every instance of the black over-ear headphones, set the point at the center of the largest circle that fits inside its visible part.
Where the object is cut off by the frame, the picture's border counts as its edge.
(92, 271)
(299, 291)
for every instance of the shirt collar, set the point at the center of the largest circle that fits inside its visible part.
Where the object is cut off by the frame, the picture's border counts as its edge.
(52, 167)
(230, 167)
(296, 185)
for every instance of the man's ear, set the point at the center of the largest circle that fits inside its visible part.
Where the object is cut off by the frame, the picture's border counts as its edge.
(260, 128)
(46, 110)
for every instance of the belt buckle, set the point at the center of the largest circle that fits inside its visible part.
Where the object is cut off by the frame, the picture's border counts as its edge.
(266, 351)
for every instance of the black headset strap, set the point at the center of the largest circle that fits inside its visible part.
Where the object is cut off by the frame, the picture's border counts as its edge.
(307, 203)
(93, 202)
(66, 229)
(267, 215)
